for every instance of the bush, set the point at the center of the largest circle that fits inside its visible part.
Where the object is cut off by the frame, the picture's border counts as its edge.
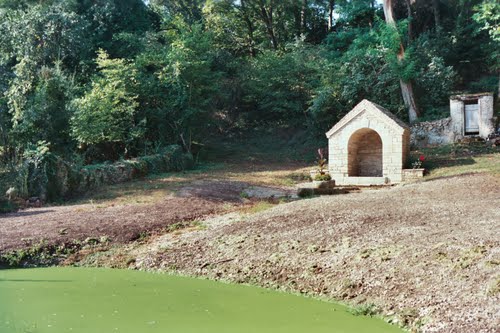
(6, 206)
(50, 178)
(171, 159)
(322, 177)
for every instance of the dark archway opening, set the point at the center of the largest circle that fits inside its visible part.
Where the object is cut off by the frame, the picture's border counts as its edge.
(365, 154)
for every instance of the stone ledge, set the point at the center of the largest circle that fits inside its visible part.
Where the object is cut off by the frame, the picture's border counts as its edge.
(413, 174)
(316, 188)
(364, 181)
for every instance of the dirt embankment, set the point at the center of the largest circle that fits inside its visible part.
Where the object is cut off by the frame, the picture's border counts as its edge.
(121, 224)
(428, 252)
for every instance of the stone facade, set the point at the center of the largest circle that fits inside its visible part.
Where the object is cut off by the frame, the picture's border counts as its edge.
(369, 146)
(430, 133)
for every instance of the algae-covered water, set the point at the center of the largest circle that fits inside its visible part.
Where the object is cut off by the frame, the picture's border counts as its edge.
(104, 301)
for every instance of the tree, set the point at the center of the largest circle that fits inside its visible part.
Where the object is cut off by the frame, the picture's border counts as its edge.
(331, 7)
(406, 86)
(45, 113)
(104, 117)
(488, 16)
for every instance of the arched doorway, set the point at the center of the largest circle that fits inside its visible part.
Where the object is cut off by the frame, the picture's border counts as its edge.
(365, 154)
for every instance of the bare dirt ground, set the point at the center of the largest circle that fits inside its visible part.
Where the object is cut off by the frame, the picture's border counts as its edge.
(126, 212)
(120, 224)
(427, 253)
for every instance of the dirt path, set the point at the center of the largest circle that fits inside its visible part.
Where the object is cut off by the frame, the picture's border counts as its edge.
(428, 253)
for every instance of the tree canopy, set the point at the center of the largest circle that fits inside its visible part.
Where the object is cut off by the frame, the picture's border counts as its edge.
(100, 80)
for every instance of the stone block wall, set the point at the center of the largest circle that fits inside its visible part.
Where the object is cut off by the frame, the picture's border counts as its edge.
(395, 147)
(428, 133)
(413, 174)
(486, 121)
(457, 115)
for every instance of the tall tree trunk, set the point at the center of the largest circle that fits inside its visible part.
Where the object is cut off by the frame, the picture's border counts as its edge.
(267, 17)
(250, 28)
(437, 14)
(406, 87)
(409, 16)
(331, 5)
(303, 14)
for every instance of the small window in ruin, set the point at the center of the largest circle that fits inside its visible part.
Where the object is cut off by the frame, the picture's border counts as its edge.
(471, 117)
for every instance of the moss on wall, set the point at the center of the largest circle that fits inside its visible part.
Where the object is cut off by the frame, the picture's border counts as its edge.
(171, 159)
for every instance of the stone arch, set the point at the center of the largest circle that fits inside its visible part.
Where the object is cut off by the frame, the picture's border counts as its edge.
(365, 154)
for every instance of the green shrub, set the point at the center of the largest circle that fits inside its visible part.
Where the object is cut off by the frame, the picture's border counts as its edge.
(322, 177)
(6, 206)
(47, 176)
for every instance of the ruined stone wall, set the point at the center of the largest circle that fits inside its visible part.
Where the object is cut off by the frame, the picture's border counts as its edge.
(452, 129)
(428, 133)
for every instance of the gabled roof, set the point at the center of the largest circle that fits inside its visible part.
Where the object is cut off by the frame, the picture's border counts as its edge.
(370, 107)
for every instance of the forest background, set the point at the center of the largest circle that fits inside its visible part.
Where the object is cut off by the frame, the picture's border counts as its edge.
(104, 80)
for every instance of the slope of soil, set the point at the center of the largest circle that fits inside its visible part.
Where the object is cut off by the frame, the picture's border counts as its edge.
(429, 253)
(121, 224)
(120, 219)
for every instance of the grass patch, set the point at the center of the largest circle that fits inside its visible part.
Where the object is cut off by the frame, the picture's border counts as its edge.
(458, 159)
(259, 207)
(38, 255)
(176, 227)
(365, 310)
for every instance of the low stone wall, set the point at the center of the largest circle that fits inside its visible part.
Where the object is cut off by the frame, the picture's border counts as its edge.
(413, 174)
(63, 180)
(316, 188)
(172, 159)
(428, 133)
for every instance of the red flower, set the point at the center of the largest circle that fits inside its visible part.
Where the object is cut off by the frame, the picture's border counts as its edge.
(421, 158)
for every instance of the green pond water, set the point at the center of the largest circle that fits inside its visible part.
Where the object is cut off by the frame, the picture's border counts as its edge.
(106, 301)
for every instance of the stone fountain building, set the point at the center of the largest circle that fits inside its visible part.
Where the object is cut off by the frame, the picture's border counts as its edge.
(369, 146)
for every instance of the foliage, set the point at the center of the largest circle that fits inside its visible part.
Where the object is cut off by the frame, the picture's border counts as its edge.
(45, 107)
(38, 173)
(322, 177)
(368, 309)
(417, 164)
(103, 80)
(277, 88)
(321, 162)
(105, 116)
(6, 206)
(488, 15)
